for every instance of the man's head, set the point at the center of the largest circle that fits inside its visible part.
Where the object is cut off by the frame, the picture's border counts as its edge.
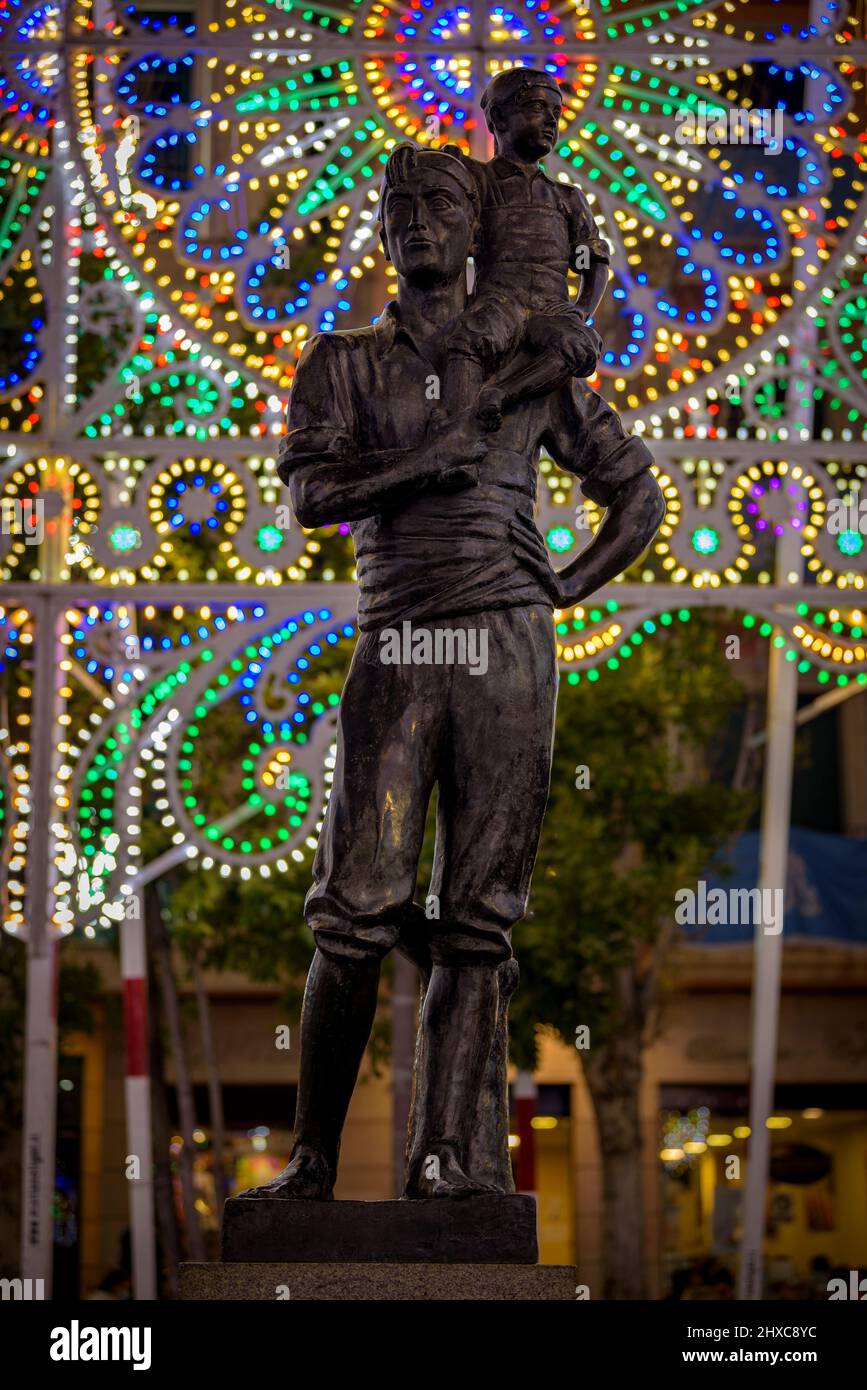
(429, 212)
(522, 108)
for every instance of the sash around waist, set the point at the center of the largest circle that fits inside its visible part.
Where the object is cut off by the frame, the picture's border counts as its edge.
(443, 553)
(507, 469)
(499, 469)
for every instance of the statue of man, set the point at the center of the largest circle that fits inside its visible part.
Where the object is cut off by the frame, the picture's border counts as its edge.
(449, 563)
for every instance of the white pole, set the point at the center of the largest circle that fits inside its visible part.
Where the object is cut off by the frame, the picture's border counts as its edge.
(43, 945)
(137, 1085)
(40, 1043)
(776, 818)
(768, 955)
(40, 1048)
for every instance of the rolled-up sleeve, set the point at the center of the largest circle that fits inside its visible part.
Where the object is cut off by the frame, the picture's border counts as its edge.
(586, 437)
(320, 421)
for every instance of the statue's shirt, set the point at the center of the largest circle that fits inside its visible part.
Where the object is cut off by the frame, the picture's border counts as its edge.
(532, 226)
(370, 392)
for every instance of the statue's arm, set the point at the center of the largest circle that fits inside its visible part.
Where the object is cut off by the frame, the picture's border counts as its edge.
(329, 479)
(586, 438)
(593, 282)
(341, 486)
(631, 521)
(587, 234)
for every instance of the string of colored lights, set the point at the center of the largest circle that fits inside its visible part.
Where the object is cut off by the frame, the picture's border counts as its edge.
(152, 726)
(604, 642)
(15, 640)
(618, 135)
(213, 184)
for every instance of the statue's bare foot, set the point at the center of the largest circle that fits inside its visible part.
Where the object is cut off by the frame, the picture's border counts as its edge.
(308, 1177)
(438, 1174)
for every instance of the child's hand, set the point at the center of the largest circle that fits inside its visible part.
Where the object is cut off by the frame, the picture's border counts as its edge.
(456, 444)
(489, 408)
(589, 351)
(457, 479)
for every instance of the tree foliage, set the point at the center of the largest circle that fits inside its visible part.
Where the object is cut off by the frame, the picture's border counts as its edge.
(658, 807)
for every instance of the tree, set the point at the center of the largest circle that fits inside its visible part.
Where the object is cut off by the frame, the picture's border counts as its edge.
(636, 812)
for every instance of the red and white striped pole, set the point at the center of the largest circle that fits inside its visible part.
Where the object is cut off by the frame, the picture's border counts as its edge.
(139, 1161)
(525, 1093)
(137, 1086)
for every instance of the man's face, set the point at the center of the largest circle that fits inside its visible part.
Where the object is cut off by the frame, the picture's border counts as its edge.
(428, 224)
(529, 124)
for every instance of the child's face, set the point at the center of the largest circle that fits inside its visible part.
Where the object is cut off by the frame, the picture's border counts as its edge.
(528, 127)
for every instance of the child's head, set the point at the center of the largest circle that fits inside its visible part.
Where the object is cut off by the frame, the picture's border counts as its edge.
(522, 108)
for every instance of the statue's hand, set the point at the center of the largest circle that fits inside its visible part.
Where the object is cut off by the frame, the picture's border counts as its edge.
(456, 479)
(531, 552)
(489, 408)
(589, 351)
(454, 448)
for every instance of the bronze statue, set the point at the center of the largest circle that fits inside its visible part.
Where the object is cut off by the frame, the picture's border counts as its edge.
(439, 487)
(533, 230)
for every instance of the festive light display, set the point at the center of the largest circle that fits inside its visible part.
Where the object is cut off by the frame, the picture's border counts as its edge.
(15, 639)
(263, 695)
(187, 196)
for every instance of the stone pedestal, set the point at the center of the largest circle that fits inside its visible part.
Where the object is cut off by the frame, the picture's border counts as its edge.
(380, 1283)
(479, 1249)
(499, 1229)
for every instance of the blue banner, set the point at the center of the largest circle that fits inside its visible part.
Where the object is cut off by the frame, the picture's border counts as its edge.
(825, 892)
